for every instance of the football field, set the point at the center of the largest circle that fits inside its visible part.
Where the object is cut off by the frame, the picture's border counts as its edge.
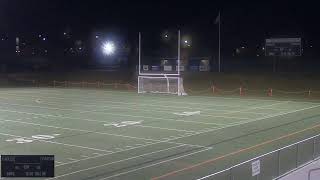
(99, 134)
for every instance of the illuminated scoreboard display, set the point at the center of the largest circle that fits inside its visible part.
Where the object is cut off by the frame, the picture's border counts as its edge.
(27, 166)
(283, 47)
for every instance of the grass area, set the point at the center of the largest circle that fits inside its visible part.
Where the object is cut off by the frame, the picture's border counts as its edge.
(96, 134)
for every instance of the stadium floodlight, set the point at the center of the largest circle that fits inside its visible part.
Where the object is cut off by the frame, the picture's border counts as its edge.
(108, 48)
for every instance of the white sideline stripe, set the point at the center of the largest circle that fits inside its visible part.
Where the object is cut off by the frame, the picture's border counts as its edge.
(123, 160)
(170, 129)
(258, 157)
(101, 155)
(199, 98)
(120, 107)
(120, 150)
(161, 98)
(212, 130)
(156, 164)
(114, 93)
(102, 133)
(54, 142)
(71, 159)
(140, 104)
(258, 107)
(125, 115)
(82, 119)
(275, 115)
(165, 160)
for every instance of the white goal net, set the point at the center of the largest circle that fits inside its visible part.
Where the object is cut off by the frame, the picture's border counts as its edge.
(164, 85)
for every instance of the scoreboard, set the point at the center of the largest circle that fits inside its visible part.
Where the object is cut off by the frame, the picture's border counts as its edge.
(283, 47)
(30, 166)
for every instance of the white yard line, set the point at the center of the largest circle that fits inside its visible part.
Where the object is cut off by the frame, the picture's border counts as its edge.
(169, 129)
(134, 94)
(112, 106)
(149, 103)
(89, 120)
(156, 164)
(124, 115)
(117, 92)
(275, 115)
(101, 133)
(54, 142)
(71, 159)
(135, 157)
(258, 107)
(218, 129)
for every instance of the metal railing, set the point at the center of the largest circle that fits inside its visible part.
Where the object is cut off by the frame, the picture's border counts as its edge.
(274, 164)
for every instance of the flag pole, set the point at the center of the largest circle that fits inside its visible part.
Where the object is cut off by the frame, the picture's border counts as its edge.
(219, 42)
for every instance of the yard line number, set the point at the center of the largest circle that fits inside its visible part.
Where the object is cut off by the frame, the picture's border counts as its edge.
(123, 123)
(23, 140)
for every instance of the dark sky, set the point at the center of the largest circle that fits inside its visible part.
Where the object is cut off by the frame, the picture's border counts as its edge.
(247, 22)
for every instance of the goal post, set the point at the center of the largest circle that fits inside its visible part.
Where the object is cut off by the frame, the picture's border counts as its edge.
(163, 82)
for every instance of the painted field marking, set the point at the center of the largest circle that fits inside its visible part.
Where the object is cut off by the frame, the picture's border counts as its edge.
(126, 115)
(218, 129)
(169, 129)
(89, 120)
(233, 153)
(84, 103)
(134, 94)
(188, 113)
(156, 164)
(102, 133)
(71, 159)
(99, 111)
(124, 123)
(258, 107)
(123, 160)
(53, 142)
(114, 93)
(21, 140)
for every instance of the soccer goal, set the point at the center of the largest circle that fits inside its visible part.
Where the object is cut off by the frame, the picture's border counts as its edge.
(158, 84)
(161, 80)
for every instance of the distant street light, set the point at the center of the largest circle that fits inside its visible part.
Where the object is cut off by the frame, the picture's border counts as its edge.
(108, 48)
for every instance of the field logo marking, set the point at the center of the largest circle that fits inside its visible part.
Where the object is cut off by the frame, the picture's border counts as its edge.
(186, 113)
(32, 138)
(124, 123)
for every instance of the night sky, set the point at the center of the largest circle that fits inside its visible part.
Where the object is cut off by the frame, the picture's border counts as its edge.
(243, 23)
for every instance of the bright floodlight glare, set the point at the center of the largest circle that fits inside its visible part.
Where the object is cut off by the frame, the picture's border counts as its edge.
(186, 41)
(108, 48)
